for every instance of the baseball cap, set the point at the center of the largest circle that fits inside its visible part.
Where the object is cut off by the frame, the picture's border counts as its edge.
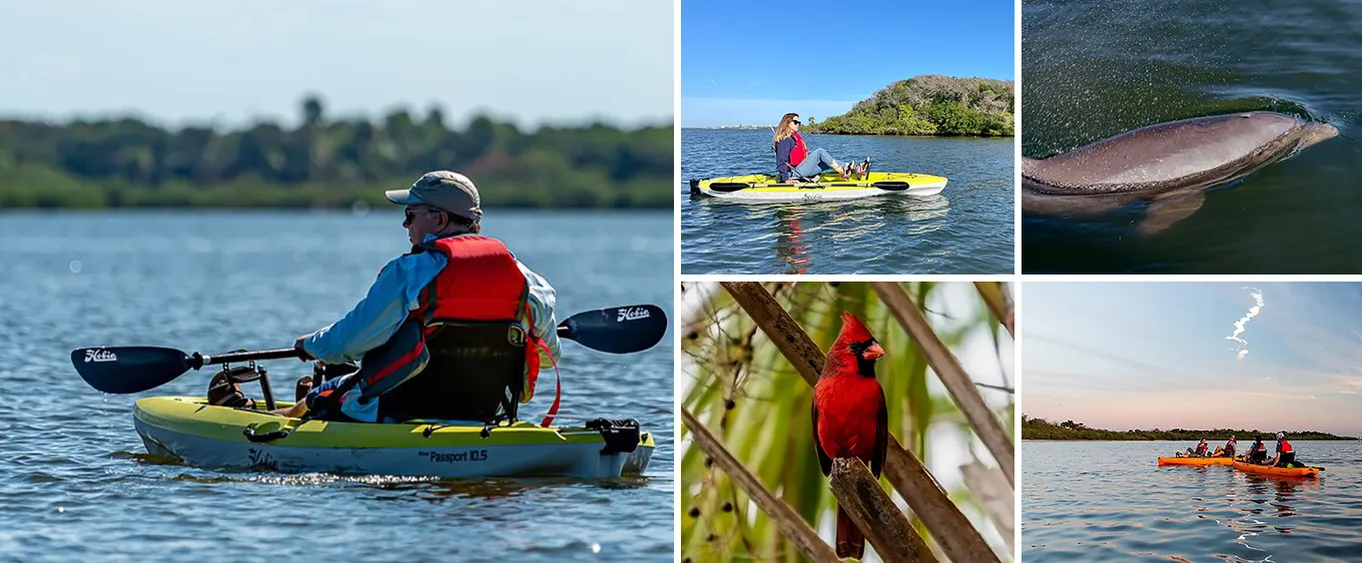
(450, 191)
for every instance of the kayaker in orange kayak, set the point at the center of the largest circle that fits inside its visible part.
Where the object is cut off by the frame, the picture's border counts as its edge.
(1201, 450)
(1230, 446)
(1285, 454)
(1257, 450)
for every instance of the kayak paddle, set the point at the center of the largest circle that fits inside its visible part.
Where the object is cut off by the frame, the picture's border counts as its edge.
(133, 369)
(618, 330)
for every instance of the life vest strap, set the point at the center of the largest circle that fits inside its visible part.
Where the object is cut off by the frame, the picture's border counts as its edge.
(558, 384)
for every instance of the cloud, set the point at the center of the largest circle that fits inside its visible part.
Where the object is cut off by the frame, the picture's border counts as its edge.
(1243, 322)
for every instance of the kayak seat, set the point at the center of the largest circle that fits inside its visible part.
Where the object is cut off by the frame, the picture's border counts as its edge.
(476, 372)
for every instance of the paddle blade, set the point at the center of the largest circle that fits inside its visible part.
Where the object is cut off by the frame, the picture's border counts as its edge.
(617, 330)
(130, 369)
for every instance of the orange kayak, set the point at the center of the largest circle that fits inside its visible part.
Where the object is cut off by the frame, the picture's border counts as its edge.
(1276, 471)
(1194, 461)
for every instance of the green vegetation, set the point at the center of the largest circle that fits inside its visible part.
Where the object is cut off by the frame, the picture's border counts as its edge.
(1041, 429)
(322, 163)
(930, 105)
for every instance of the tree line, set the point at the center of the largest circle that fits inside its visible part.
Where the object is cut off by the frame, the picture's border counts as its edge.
(329, 162)
(930, 105)
(1041, 429)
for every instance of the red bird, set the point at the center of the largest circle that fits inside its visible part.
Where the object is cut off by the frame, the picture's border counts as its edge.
(849, 416)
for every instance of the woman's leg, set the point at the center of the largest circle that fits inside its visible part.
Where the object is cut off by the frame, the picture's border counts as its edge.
(816, 163)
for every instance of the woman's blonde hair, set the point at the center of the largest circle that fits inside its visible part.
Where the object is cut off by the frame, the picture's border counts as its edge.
(785, 129)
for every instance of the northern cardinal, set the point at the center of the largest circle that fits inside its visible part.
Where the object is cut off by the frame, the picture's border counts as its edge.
(849, 416)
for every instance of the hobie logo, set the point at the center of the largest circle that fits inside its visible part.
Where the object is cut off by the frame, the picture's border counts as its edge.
(632, 314)
(100, 356)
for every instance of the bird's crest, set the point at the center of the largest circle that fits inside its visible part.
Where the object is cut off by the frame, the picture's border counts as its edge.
(852, 329)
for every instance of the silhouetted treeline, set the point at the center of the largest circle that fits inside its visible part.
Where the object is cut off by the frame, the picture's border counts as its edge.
(323, 161)
(930, 105)
(1041, 429)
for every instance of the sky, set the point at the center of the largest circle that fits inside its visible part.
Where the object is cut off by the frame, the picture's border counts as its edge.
(531, 62)
(748, 63)
(1169, 355)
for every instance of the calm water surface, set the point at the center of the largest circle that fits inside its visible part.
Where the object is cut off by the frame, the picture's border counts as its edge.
(75, 482)
(1110, 501)
(967, 228)
(1095, 69)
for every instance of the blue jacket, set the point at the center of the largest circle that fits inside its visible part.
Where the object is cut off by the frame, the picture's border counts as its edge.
(783, 149)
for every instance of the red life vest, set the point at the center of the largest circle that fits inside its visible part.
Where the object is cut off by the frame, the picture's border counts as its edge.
(1283, 446)
(799, 152)
(481, 282)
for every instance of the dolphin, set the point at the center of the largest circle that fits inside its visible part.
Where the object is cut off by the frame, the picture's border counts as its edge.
(1171, 165)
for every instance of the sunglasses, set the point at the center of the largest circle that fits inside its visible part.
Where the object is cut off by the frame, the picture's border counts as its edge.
(411, 212)
(798, 122)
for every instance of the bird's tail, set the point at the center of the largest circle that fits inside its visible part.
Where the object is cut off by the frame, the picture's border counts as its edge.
(850, 541)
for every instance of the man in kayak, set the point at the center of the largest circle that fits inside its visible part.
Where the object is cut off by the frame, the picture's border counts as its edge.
(1257, 450)
(793, 157)
(1285, 454)
(488, 319)
(1230, 446)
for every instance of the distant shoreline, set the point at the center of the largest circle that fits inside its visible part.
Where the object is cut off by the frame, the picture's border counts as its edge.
(754, 128)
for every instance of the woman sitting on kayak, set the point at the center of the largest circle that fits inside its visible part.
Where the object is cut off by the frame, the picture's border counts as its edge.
(793, 157)
(1200, 450)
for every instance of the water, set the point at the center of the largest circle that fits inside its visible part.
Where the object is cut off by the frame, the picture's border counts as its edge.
(1091, 70)
(967, 228)
(1110, 501)
(76, 484)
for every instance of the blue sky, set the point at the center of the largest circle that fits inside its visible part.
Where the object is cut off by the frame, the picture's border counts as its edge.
(560, 61)
(745, 63)
(1146, 355)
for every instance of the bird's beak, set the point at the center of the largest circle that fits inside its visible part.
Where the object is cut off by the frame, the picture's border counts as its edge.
(874, 351)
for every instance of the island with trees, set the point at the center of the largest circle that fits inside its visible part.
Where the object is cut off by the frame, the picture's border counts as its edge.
(929, 105)
(328, 162)
(1041, 429)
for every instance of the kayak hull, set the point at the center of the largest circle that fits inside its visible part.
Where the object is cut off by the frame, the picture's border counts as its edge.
(1276, 471)
(217, 437)
(829, 187)
(1195, 461)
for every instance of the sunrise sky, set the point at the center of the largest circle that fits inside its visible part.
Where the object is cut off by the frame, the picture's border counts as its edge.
(1168, 355)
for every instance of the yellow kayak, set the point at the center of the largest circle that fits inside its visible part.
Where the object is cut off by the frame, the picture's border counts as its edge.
(829, 186)
(220, 437)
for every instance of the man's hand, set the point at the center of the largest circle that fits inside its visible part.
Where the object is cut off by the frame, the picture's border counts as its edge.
(302, 352)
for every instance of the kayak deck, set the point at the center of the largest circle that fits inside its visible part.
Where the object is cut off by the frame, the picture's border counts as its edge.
(220, 437)
(827, 186)
(1276, 471)
(1195, 461)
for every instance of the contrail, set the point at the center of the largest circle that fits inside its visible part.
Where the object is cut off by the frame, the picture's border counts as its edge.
(1241, 323)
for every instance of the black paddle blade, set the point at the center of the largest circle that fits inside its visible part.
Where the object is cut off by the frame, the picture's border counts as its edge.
(618, 330)
(129, 370)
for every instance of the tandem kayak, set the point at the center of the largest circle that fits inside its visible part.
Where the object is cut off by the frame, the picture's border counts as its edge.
(1276, 471)
(208, 436)
(828, 186)
(1195, 461)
